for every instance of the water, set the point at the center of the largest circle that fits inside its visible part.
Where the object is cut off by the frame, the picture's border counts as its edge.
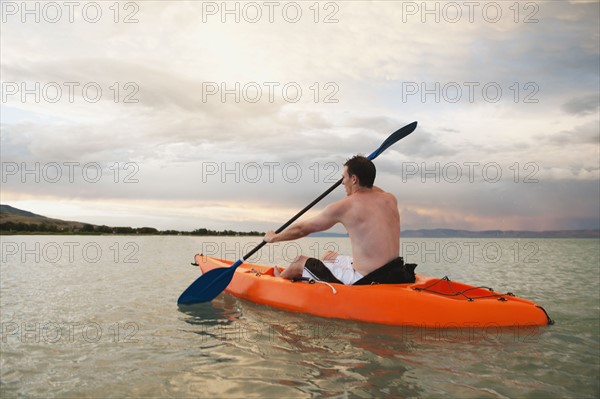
(97, 317)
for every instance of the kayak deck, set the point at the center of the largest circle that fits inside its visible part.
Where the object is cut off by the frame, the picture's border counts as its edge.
(428, 302)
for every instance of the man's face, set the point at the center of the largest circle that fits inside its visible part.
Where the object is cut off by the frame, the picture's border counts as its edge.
(347, 180)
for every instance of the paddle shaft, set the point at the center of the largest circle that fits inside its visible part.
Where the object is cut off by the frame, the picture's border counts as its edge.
(293, 219)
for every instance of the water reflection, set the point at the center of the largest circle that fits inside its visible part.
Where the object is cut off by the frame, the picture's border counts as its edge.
(218, 319)
(326, 356)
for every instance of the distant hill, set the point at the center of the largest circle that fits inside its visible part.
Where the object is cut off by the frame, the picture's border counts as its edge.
(448, 233)
(7, 210)
(10, 216)
(18, 221)
(325, 234)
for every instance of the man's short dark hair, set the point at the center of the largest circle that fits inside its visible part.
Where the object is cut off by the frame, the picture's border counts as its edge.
(363, 168)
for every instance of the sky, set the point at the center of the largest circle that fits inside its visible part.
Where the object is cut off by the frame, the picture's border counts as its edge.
(182, 115)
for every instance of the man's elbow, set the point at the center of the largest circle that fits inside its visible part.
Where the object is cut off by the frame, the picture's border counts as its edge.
(306, 230)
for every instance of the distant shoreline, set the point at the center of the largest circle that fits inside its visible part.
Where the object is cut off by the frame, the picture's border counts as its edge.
(60, 233)
(451, 233)
(15, 221)
(570, 234)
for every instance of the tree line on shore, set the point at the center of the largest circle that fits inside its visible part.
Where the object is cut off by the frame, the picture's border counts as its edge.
(47, 228)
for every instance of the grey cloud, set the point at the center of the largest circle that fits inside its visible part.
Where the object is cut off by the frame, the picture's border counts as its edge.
(39, 142)
(583, 105)
(586, 133)
(424, 144)
(559, 55)
(380, 124)
(159, 90)
(552, 202)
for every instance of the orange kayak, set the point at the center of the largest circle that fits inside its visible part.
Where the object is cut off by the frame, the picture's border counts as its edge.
(428, 302)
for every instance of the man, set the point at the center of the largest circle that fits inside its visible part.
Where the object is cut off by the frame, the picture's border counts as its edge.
(371, 218)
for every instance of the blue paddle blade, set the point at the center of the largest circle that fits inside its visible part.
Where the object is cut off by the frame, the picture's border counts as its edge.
(394, 137)
(208, 286)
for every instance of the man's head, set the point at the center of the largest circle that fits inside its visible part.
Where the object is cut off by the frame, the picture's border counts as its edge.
(363, 168)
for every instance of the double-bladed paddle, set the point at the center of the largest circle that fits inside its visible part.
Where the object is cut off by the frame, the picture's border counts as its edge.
(212, 283)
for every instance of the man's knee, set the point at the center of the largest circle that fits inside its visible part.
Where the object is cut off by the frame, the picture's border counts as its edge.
(329, 256)
(298, 264)
(300, 259)
(295, 268)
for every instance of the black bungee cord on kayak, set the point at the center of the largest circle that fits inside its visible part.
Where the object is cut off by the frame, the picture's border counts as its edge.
(462, 293)
(501, 297)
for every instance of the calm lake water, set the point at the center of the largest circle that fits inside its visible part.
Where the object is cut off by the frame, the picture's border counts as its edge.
(97, 317)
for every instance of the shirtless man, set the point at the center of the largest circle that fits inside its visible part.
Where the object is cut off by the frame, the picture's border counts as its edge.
(369, 214)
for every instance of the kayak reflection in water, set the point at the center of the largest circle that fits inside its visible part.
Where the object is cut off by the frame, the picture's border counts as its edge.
(371, 218)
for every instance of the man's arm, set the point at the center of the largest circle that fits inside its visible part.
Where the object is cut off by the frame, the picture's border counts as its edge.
(323, 221)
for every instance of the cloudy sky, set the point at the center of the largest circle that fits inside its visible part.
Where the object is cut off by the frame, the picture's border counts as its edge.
(180, 115)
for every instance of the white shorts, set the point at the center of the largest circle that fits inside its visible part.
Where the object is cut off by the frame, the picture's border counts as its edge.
(341, 268)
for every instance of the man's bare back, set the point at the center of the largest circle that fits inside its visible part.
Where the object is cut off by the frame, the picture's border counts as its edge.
(373, 223)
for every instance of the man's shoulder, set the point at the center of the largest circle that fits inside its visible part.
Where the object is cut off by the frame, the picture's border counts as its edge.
(387, 194)
(366, 200)
(383, 194)
(338, 207)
